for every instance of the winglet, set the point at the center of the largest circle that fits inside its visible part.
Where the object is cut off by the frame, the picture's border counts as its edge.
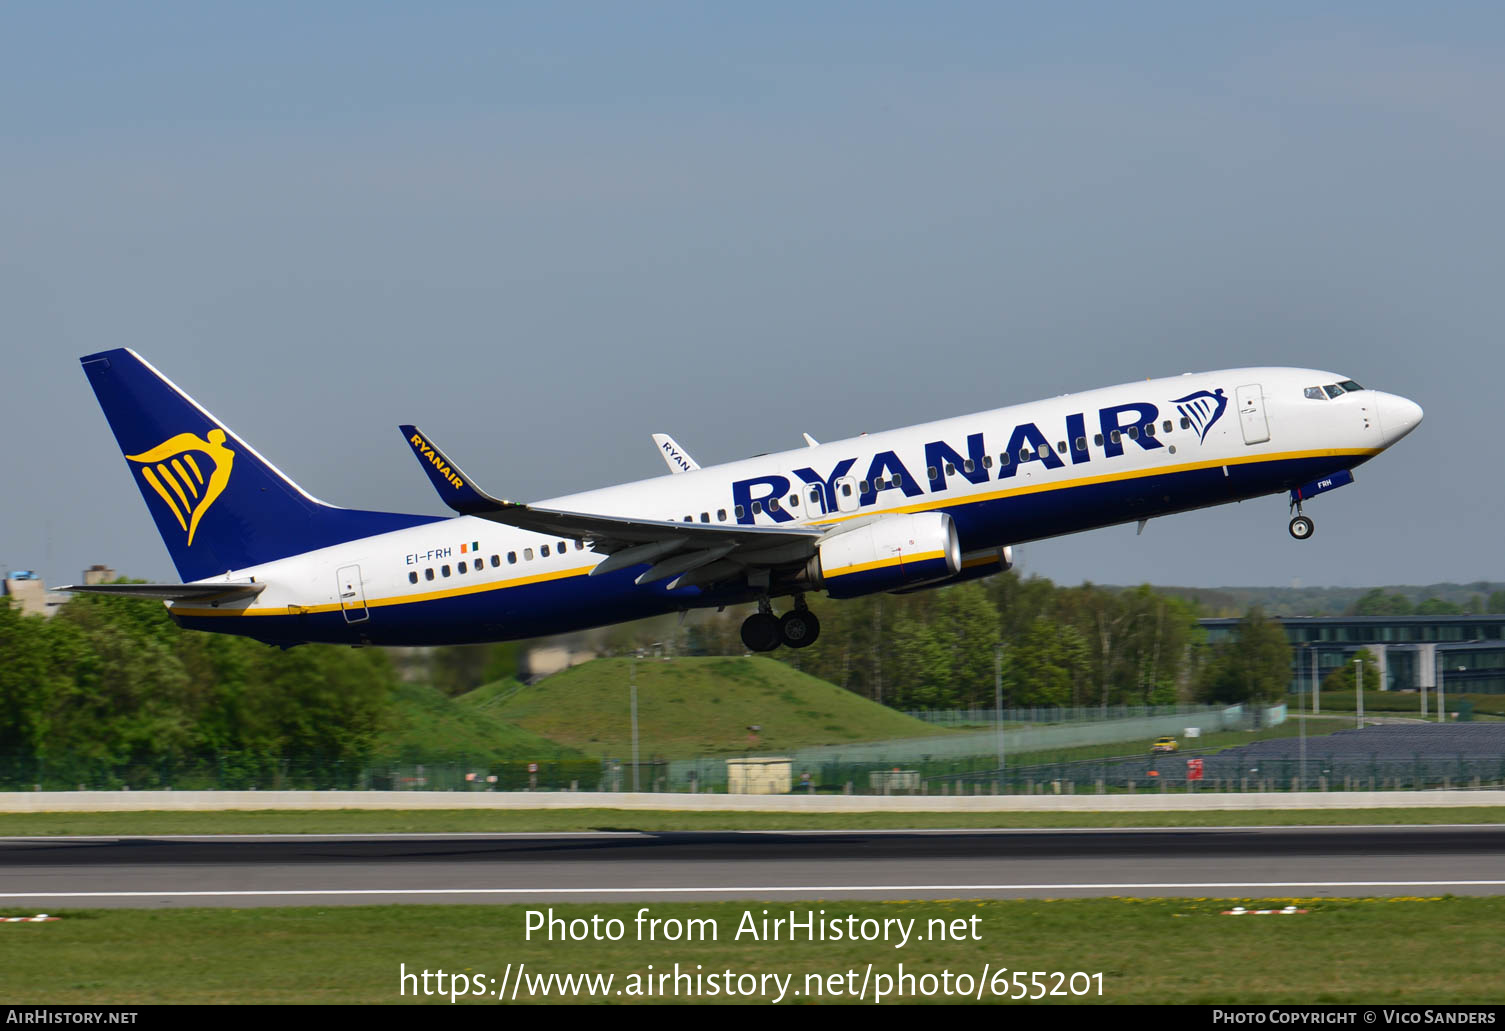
(454, 487)
(676, 457)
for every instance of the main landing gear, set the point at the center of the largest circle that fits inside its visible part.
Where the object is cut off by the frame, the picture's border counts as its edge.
(797, 628)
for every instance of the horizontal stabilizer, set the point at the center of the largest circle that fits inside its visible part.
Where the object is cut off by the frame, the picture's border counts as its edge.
(455, 489)
(225, 591)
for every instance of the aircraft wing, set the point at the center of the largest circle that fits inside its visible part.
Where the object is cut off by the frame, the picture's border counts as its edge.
(692, 553)
(227, 591)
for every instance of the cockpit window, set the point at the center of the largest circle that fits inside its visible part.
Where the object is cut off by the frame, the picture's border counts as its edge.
(1315, 393)
(1333, 390)
(1350, 386)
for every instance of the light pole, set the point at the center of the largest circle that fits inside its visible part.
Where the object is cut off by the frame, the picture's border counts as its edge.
(632, 688)
(1439, 687)
(1358, 686)
(998, 701)
(1316, 687)
(1301, 720)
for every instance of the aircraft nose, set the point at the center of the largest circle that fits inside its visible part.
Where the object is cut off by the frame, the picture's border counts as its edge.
(1398, 416)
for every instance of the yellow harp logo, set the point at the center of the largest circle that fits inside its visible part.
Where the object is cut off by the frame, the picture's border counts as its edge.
(175, 469)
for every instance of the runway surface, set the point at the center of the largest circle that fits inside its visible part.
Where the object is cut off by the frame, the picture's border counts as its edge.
(37, 874)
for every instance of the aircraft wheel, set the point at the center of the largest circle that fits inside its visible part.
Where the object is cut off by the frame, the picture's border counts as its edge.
(799, 628)
(760, 632)
(1301, 527)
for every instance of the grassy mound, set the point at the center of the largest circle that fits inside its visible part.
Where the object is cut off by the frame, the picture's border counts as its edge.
(691, 707)
(428, 727)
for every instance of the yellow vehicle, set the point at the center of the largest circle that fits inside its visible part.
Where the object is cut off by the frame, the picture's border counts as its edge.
(1165, 744)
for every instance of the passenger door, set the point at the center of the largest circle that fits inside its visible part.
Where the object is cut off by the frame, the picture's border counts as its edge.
(352, 594)
(1251, 414)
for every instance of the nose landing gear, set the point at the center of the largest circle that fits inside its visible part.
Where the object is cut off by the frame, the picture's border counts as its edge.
(763, 631)
(1301, 527)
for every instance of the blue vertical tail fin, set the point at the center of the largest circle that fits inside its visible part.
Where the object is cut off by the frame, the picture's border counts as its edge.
(217, 503)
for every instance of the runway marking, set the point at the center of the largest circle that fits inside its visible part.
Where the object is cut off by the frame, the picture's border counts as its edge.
(772, 889)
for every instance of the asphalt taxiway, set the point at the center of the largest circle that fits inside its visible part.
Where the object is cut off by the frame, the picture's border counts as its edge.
(40, 873)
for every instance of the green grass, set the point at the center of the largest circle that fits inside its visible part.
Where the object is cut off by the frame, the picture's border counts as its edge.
(352, 821)
(692, 707)
(1152, 951)
(429, 727)
(1400, 703)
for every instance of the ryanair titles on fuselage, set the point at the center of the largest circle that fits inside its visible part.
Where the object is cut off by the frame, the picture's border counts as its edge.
(1027, 443)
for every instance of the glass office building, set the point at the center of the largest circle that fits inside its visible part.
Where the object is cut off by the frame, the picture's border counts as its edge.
(1469, 651)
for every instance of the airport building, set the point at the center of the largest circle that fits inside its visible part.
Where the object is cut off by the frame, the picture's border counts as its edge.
(1468, 652)
(28, 593)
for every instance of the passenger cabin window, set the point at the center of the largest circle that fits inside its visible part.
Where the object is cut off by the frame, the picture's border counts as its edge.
(1061, 446)
(562, 548)
(757, 508)
(773, 504)
(511, 558)
(543, 551)
(739, 510)
(1117, 436)
(1097, 438)
(496, 560)
(1149, 429)
(1133, 432)
(428, 574)
(968, 466)
(814, 495)
(1185, 423)
(444, 570)
(705, 517)
(413, 577)
(721, 515)
(950, 470)
(1166, 426)
(462, 567)
(1003, 458)
(846, 490)
(527, 554)
(987, 461)
(1080, 443)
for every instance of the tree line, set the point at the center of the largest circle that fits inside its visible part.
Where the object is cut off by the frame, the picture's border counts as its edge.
(1054, 646)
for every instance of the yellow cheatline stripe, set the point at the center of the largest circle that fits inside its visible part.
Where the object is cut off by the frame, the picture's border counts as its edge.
(172, 482)
(933, 504)
(1087, 481)
(183, 475)
(188, 457)
(151, 478)
(863, 567)
(405, 599)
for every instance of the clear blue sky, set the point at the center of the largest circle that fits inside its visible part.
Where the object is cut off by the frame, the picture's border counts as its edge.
(544, 232)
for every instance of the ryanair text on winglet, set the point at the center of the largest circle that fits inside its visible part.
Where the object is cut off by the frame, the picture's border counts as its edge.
(433, 456)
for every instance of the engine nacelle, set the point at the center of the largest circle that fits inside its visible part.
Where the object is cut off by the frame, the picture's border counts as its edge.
(887, 554)
(975, 566)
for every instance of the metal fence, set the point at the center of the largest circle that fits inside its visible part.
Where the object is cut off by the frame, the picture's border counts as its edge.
(1055, 714)
(967, 775)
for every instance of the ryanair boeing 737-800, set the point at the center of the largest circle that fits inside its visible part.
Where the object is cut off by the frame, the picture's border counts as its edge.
(902, 510)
